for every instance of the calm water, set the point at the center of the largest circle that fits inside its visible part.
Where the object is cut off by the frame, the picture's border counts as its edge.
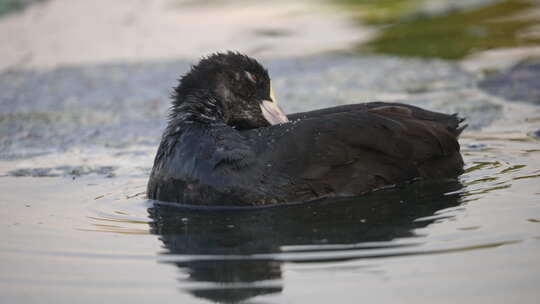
(77, 144)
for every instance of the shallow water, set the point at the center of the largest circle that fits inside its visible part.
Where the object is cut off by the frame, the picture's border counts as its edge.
(76, 147)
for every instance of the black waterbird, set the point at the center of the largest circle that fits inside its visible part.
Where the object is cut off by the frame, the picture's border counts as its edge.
(228, 143)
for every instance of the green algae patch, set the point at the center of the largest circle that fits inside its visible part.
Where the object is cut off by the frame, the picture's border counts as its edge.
(408, 29)
(457, 34)
(8, 6)
(377, 12)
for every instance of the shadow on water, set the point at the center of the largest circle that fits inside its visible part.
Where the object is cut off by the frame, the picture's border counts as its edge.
(230, 256)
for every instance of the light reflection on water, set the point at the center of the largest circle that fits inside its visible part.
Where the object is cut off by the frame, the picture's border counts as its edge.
(231, 256)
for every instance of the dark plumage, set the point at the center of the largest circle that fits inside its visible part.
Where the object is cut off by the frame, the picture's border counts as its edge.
(227, 143)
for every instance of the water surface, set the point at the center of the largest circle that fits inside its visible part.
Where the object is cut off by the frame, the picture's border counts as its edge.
(77, 144)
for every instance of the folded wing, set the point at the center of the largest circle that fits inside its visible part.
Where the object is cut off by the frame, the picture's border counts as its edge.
(353, 149)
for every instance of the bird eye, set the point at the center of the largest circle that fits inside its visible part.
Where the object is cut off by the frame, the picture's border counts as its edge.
(250, 77)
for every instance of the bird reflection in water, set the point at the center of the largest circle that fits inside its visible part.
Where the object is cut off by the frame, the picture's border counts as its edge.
(233, 255)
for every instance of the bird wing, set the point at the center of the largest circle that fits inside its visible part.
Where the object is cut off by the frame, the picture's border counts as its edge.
(369, 143)
(452, 122)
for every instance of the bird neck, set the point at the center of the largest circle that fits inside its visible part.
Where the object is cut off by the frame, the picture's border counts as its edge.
(197, 106)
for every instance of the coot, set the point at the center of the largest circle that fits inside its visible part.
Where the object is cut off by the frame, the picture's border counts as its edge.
(228, 143)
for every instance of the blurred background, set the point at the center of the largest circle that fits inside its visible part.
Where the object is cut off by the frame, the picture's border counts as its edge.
(49, 33)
